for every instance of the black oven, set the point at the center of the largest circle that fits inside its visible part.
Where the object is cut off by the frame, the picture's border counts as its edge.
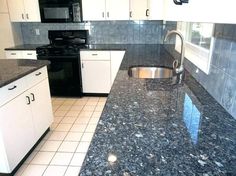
(60, 11)
(64, 75)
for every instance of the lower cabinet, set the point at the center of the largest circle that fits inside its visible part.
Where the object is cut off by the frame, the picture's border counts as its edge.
(99, 69)
(21, 54)
(17, 132)
(24, 119)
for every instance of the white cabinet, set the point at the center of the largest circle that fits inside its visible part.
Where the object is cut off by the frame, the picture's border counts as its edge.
(139, 9)
(21, 54)
(41, 107)
(99, 69)
(3, 6)
(16, 130)
(24, 10)
(99, 10)
(156, 9)
(24, 116)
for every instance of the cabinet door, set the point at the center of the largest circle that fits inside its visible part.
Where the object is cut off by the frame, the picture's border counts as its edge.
(117, 10)
(96, 76)
(32, 13)
(138, 9)
(156, 10)
(29, 54)
(6, 36)
(3, 6)
(93, 10)
(16, 10)
(16, 129)
(41, 107)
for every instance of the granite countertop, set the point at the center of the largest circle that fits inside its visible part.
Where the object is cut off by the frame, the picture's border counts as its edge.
(13, 69)
(157, 127)
(24, 47)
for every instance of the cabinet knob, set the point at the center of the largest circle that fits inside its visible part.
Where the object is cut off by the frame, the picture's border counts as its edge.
(82, 65)
(13, 54)
(27, 16)
(103, 14)
(28, 100)
(33, 97)
(107, 14)
(12, 88)
(147, 13)
(130, 14)
(22, 15)
(37, 74)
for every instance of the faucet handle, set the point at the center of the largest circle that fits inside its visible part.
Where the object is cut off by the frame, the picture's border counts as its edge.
(175, 64)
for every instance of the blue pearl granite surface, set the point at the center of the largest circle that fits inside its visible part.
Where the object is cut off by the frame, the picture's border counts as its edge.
(158, 127)
(13, 69)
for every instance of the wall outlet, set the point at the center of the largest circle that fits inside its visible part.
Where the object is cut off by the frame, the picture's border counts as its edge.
(37, 32)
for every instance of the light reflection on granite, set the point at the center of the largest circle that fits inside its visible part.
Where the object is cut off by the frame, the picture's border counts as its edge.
(144, 124)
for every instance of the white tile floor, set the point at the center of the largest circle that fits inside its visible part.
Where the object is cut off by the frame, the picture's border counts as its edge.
(63, 149)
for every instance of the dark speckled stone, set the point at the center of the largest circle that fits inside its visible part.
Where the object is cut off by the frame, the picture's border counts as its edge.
(13, 69)
(156, 127)
(24, 47)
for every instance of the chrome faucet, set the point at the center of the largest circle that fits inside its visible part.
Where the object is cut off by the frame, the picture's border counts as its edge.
(179, 68)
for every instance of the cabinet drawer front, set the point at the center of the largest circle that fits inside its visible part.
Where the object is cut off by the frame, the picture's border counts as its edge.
(29, 55)
(37, 76)
(95, 55)
(12, 90)
(13, 54)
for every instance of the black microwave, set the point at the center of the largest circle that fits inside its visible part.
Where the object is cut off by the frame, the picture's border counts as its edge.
(60, 11)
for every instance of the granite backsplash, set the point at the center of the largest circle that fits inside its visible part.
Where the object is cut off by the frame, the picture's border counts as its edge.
(102, 32)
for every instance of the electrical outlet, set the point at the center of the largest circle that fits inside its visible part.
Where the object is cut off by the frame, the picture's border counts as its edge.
(197, 70)
(37, 32)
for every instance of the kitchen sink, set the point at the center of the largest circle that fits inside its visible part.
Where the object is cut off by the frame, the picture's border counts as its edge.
(150, 72)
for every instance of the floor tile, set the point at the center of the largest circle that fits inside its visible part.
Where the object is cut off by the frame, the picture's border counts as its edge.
(34, 170)
(86, 114)
(79, 103)
(68, 146)
(101, 103)
(78, 128)
(53, 126)
(69, 102)
(91, 128)
(30, 157)
(87, 137)
(91, 103)
(89, 108)
(64, 107)
(96, 114)
(62, 159)
(57, 136)
(43, 158)
(77, 159)
(70, 120)
(39, 146)
(63, 127)
(93, 99)
(73, 136)
(55, 171)
(83, 147)
(82, 120)
(50, 146)
(94, 120)
(72, 171)
(60, 113)
(58, 102)
(99, 108)
(21, 170)
(76, 108)
(47, 135)
(102, 99)
(72, 113)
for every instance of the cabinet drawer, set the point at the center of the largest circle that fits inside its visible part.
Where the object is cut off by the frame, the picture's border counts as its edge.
(37, 76)
(95, 55)
(12, 90)
(29, 54)
(12, 54)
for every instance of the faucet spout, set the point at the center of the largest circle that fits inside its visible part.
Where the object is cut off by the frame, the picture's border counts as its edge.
(180, 67)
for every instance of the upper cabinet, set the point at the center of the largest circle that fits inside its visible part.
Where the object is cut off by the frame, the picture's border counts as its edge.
(24, 10)
(139, 9)
(3, 6)
(100, 10)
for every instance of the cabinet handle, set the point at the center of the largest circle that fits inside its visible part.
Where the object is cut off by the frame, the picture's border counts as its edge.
(12, 88)
(13, 54)
(94, 54)
(103, 14)
(33, 97)
(29, 54)
(178, 2)
(130, 14)
(28, 100)
(82, 65)
(107, 14)
(27, 16)
(37, 74)
(22, 15)
(147, 13)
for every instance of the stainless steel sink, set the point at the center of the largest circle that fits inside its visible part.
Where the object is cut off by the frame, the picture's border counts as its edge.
(150, 72)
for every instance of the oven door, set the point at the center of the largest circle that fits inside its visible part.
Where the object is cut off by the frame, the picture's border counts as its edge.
(64, 74)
